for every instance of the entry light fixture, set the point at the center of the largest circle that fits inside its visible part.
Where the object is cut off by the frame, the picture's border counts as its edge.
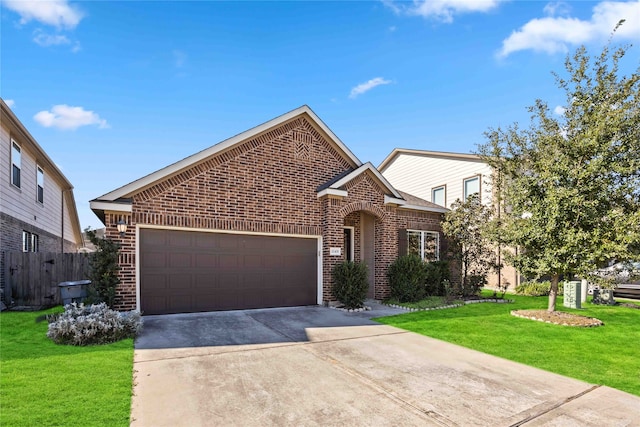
(122, 227)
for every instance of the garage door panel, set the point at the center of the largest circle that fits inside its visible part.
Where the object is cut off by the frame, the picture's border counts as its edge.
(205, 260)
(187, 271)
(229, 260)
(179, 260)
(227, 241)
(205, 281)
(154, 259)
(252, 261)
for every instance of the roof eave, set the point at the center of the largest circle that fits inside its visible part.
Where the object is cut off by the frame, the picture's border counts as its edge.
(144, 182)
(363, 169)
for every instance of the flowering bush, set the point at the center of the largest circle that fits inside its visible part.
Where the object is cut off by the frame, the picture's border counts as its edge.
(93, 324)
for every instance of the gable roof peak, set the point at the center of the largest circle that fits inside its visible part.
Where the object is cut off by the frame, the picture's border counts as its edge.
(426, 153)
(140, 184)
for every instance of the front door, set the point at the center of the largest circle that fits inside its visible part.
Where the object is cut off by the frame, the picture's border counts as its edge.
(367, 248)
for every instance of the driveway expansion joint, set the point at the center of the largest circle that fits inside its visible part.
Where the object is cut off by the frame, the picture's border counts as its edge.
(380, 389)
(555, 406)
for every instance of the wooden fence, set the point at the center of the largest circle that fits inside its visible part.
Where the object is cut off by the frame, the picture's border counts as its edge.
(32, 278)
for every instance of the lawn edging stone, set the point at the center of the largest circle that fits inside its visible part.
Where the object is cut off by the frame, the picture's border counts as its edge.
(441, 307)
(351, 310)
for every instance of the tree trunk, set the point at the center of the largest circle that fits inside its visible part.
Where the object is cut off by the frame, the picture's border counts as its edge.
(553, 293)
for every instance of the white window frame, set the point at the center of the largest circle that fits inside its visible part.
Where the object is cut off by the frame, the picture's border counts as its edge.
(39, 185)
(16, 147)
(30, 242)
(464, 186)
(444, 192)
(434, 234)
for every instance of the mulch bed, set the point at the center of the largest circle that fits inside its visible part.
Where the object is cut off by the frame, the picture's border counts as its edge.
(558, 318)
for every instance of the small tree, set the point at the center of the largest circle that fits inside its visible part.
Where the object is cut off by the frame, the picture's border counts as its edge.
(572, 182)
(103, 269)
(466, 226)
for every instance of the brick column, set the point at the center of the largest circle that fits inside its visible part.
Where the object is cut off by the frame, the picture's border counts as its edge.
(126, 290)
(386, 250)
(332, 237)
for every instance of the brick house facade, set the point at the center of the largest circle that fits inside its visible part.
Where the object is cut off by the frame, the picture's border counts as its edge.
(290, 177)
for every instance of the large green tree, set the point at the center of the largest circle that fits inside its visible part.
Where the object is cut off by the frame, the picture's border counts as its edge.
(465, 227)
(570, 183)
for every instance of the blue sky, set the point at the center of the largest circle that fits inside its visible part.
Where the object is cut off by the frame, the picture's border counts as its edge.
(116, 90)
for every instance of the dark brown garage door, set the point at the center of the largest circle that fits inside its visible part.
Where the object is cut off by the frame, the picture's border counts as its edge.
(187, 271)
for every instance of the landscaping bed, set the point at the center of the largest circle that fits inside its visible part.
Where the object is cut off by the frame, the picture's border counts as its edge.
(558, 318)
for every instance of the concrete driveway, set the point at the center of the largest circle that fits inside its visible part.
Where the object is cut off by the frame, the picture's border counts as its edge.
(310, 366)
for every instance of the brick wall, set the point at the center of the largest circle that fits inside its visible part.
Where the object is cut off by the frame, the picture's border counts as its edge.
(266, 184)
(11, 240)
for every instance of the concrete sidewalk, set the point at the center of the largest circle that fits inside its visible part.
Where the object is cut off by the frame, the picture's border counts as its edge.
(317, 366)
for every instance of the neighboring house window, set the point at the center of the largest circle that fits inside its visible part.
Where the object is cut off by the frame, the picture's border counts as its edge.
(40, 185)
(439, 195)
(30, 242)
(471, 186)
(425, 244)
(16, 163)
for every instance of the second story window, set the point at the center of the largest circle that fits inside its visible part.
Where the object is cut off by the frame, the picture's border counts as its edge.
(439, 196)
(471, 186)
(40, 185)
(16, 163)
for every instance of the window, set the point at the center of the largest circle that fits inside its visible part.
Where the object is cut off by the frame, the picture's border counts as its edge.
(40, 185)
(471, 186)
(425, 244)
(30, 242)
(348, 243)
(439, 196)
(16, 162)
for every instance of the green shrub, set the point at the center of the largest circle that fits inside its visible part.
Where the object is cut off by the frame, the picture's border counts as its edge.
(407, 276)
(350, 284)
(538, 289)
(437, 276)
(103, 270)
(93, 324)
(475, 283)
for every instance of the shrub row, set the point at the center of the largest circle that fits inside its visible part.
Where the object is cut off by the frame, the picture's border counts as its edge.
(411, 279)
(537, 289)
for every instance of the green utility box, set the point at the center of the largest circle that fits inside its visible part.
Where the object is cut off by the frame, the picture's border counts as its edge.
(572, 298)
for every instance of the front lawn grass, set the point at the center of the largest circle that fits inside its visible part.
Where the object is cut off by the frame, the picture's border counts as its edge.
(605, 355)
(45, 384)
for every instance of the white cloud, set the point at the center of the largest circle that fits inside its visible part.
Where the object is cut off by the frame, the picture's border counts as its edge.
(367, 86)
(556, 8)
(555, 34)
(10, 102)
(442, 10)
(57, 13)
(44, 39)
(67, 117)
(559, 110)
